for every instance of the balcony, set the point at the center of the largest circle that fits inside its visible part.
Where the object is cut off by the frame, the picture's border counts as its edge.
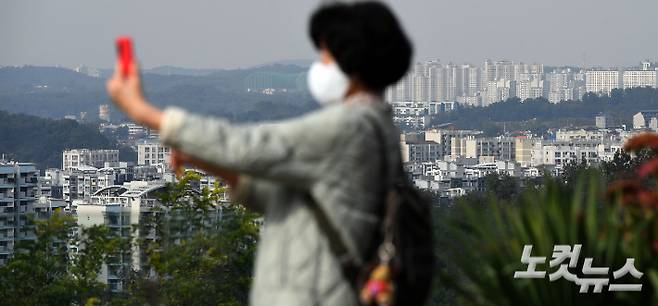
(6, 225)
(4, 184)
(7, 235)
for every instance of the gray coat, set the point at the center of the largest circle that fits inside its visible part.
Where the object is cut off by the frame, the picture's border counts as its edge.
(332, 158)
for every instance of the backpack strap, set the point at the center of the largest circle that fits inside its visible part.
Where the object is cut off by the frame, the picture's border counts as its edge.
(337, 247)
(349, 267)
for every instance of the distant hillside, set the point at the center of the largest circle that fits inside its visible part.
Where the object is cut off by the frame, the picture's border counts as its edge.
(32, 139)
(56, 92)
(538, 115)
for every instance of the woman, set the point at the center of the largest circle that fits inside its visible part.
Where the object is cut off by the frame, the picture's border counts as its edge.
(332, 159)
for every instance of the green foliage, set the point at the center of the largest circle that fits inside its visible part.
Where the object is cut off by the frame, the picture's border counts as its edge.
(538, 115)
(504, 186)
(487, 241)
(40, 140)
(197, 250)
(573, 169)
(624, 166)
(44, 272)
(203, 253)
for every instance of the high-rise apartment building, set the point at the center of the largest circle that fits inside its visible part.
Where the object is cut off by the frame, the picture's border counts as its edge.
(81, 182)
(640, 78)
(152, 153)
(86, 157)
(18, 197)
(453, 82)
(505, 70)
(529, 89)
(488, 74)
(470, 80)
(602, 81)
(436, 81)
(498, 91)
(560, 86)
(120, 208)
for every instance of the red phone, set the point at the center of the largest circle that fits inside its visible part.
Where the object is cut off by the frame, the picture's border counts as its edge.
(125, 53)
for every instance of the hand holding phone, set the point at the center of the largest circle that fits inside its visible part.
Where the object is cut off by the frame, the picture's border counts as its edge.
(125, 89)
(125, 53)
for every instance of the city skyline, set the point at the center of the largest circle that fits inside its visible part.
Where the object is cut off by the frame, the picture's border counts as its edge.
(554, 33)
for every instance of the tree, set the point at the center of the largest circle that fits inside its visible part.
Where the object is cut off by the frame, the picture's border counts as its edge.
(199, 251)
(572, 170)
(502, 186)
(44, 272)
(203, 253)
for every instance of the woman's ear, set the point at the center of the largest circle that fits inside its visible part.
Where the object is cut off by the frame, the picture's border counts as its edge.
(326, 57)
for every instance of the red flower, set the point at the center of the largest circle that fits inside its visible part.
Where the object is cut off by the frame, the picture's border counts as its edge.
(628, 189)
(648, 168)
(641, 141)
(648, 198)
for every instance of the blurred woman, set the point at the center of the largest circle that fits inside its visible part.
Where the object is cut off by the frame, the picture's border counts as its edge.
(332, 159)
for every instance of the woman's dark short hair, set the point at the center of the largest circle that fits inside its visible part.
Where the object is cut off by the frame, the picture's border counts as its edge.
(366, 40)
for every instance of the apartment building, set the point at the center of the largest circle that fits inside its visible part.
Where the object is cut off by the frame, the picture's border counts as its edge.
(602, 81)
(124, 208)
(82, 182)
(18, 190)
(498, 148)
(119, 207)
(86, 157)
(640, 78)
(152, 153)
(420, 151)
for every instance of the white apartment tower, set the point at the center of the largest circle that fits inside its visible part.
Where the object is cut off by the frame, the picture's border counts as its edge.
(641, 78)
(602, 81)
(530, 89)
(152, 153)
(488, 74)
(120, 208)
(498, 91)
(453, 84)
(85, 157)
(470, 80)
(436, 80)
(560, 86)
(505, 70)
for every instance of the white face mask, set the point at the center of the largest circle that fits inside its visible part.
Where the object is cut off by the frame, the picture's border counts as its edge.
(327, 83)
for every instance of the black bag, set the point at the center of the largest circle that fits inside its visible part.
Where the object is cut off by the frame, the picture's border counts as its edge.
(405, 243)
(413, 260)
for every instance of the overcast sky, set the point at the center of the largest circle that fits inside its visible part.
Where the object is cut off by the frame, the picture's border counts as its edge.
(242, 33)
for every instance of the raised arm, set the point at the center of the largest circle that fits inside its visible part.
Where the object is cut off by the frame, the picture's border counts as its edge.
(295, 152)
(289, 152)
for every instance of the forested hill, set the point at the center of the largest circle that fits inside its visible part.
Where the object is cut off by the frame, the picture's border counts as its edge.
(539, 114)
(235, 94)
(33, 139)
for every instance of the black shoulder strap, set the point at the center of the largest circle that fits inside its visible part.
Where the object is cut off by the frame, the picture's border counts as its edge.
(338, 248)
(336, 244)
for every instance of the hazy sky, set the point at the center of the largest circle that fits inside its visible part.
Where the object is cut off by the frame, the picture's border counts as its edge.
(241, 33)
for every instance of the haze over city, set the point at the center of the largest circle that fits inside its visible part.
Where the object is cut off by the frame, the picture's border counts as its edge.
(237, 166)
(213, 34)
